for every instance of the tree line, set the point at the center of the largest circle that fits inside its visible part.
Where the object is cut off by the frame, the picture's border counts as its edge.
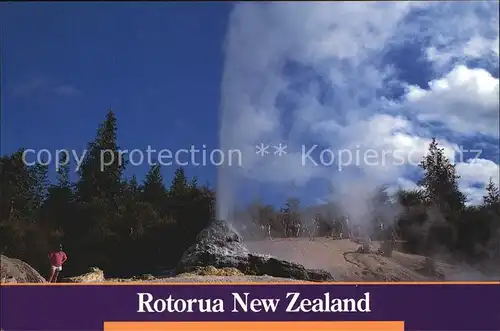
(127, 228)
(433, 219)
(102, 219)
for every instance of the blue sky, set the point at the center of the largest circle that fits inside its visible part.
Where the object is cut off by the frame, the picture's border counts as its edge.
(366, 76)
(157, 65)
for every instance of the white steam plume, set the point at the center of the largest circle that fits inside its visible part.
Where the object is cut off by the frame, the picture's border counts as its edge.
(318, 73)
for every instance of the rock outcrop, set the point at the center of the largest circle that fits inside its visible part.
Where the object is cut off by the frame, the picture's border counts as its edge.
(212, 271)
(17, 271)
(94, 275)
(221, 247)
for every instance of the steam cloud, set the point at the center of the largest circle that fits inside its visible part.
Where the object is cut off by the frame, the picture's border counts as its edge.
(330, 74)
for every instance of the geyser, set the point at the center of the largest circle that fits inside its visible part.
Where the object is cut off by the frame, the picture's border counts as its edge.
(300, 74)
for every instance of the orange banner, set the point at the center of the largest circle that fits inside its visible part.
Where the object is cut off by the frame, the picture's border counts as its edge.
(253, 326)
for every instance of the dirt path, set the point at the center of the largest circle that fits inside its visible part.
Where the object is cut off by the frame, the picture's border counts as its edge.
(340, 258)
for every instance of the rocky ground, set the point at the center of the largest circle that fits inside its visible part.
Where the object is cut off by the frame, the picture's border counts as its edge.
(220, 256)
(17, 271)
(338, 257)
(221, 247)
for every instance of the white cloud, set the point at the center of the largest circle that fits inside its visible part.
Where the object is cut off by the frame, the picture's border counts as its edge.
(325, 59)
(465, 100)
(42, 86)
(459, 31)
(395, 136)
(477, 47)
(401, 183)
(475, 175)
(66, 90)
(478, 170)
(323, 36)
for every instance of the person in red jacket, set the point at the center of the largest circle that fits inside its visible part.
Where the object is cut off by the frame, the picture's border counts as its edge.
(57, 259)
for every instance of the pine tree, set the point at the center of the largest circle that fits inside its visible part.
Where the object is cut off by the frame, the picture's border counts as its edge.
(138, 209)
(440, 180)
(39, 184)
(194, 183)
(154, 191)
(56, 210)
(410, 198)
(493, 194)
(132, 193)
(446, 202)
(23, 187)
(178, 195)
(134, 186)
(103, 165)
(63, 178)
(96, 226)
(179, 185)
(23, 190)
(492, 206)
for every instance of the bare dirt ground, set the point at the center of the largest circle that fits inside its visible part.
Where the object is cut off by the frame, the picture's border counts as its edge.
(340, 258)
